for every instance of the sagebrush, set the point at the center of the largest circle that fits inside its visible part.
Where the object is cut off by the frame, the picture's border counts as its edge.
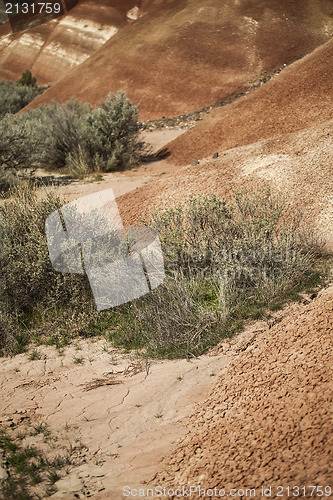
(73, 137)
(225, 262)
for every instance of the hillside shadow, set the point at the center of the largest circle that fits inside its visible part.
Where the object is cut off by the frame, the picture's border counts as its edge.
(162, 154)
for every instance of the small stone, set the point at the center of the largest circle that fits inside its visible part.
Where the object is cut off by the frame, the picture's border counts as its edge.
(194, 162)
(3, 474)
(215, 155)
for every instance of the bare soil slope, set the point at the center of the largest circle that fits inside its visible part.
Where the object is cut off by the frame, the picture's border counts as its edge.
(297, 164)
(53, 49)
(299, 97)
(269, 420)
(182, 55)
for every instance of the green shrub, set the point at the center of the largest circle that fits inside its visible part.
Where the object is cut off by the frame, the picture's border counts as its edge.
(18, 143)
(251, 242)
(112, 142)
(14, 97)
(27, 80)
(27, 275)
(177, 319)
(61, 131)
(7, 180)
(224, 263)
(73, 137)
(29, 286)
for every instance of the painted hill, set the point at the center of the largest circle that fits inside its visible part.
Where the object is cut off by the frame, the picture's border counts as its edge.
(182, 55)
(51, 50)
(268, 421)
(299, 97)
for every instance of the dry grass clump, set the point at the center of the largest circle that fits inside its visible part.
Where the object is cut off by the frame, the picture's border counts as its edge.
(225, 263)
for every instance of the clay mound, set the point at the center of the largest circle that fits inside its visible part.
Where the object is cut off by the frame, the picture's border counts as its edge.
(269, 421)
(51, 50)
(300, 96)
(182, 55)
(297, 164)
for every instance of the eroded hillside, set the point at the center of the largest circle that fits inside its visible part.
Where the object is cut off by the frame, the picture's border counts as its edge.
(183, 55)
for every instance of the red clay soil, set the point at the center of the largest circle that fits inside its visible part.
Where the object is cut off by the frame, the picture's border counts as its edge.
(299, 97)
(269, 420)
(51, 50)
(181, 55)
(297, 164)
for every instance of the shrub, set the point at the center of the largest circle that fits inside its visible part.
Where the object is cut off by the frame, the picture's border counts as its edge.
(113, 142)
(250, 241)
(27, 79)
(14, 97)
(177, 319)
(224, 263)
(27, 275)
(29, 286)
(18, 143)
(7, 180)
(61, 131)
(73, 137)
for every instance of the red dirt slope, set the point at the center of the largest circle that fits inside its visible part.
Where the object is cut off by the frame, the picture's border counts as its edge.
(297, 164)
(299, 97)
(269, 420)
(53, 49)
(181, 55)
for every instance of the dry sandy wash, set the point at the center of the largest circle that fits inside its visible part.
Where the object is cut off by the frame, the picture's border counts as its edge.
(266, 422)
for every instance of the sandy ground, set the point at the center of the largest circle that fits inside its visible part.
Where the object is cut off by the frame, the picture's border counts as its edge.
(126, 413)
(254, 412)
(130, 180)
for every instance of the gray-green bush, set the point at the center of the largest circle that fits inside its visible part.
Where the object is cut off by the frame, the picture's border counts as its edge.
(73, 137)
(29, 286)
(224, 262)
(19, 143)
(14, 97)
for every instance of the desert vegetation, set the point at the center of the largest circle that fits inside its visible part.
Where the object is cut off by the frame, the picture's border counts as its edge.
(225, 262)
(15, 96)
(33, 470)
(72, 138)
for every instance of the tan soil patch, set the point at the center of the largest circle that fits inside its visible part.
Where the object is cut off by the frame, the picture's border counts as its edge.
(124, 414)
(125, 411)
